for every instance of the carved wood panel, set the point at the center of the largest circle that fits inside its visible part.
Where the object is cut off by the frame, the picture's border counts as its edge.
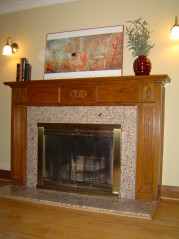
(147, 92)
(145, 149)
(18, 140)
(77, 95)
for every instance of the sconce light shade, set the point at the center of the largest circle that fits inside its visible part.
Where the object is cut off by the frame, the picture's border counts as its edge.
(174, 34)
(10, 47)
(7, 50)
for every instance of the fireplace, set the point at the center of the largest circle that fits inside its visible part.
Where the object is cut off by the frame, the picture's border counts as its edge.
(79, 157)
(144, 93)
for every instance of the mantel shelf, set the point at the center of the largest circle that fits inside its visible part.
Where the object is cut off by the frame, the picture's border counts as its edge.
(161, 78)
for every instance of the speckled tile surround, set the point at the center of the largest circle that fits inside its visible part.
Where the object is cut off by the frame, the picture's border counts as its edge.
(126, 116)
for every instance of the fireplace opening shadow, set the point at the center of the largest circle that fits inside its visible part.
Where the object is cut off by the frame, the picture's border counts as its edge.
(101, 204)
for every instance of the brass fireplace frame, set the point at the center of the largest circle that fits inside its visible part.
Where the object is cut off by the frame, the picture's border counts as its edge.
(107, 130)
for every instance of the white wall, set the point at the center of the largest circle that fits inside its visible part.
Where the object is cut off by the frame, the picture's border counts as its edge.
(29, 28)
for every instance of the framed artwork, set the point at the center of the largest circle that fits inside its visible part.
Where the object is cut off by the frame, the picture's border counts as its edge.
(84, 53)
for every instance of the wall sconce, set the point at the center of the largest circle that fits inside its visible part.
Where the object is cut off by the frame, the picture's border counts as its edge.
(174, 33)
(10, 47)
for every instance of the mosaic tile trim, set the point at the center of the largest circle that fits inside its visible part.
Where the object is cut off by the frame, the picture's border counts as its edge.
(126, 116)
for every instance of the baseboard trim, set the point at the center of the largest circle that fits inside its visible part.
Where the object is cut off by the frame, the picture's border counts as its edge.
(170, 192)
(5, 174)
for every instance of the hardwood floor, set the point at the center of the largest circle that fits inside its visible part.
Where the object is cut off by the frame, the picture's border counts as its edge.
(22, 219)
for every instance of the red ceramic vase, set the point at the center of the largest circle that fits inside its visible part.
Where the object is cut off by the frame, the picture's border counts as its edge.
(142, 66)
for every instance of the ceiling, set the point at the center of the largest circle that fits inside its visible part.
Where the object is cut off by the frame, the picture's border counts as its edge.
(7, 6)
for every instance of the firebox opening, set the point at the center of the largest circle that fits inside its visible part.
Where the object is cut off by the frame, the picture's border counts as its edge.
(80, 157)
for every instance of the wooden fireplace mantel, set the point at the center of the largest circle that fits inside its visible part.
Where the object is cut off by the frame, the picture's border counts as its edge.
(145, 92)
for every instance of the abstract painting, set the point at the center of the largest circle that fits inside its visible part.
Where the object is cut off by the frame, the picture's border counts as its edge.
(84, 53)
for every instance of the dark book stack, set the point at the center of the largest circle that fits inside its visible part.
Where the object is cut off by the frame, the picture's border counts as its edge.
(23, 70)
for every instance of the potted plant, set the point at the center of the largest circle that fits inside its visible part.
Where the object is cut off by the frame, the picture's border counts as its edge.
(139, 42)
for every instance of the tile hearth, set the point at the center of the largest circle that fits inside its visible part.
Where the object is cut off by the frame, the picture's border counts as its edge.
(113, 205)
